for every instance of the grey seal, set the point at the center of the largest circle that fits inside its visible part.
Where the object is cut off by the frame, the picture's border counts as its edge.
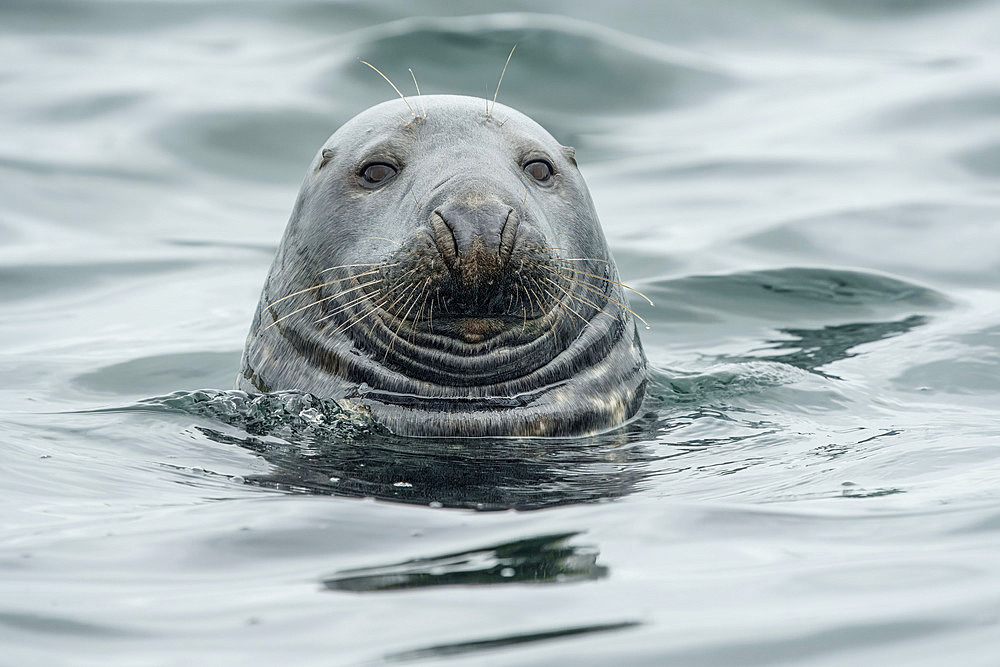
(446, 272)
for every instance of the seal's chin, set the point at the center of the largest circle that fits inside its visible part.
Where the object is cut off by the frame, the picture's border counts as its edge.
(476, 329)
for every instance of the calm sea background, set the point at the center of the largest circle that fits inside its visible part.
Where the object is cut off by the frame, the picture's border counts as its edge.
(810, 192)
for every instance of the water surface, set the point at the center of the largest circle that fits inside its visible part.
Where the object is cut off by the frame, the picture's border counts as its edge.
(808, 191)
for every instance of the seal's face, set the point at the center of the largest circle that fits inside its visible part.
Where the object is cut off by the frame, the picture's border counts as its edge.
(448, 271)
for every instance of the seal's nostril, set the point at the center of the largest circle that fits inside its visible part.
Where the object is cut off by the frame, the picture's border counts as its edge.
(444, 239)
(508, 235)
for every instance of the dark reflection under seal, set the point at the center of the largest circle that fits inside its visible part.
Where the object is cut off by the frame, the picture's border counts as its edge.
(546, 559)
(317, 446)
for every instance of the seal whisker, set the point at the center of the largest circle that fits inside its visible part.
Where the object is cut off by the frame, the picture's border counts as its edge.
(552, 327)
(577, 297)
(612, 299)
(416, 318)
(580, 259)
(489, 112)
(348, 266)
(417, 86)
(345, 306)
(376, 306)
(406, 292)
(314, 303)
(401, 96)
(615, 282)
(415, 201)
(531, 305)
(332, 282)
(395, 334)
(567, 308)
(399, 279)
(285, 317)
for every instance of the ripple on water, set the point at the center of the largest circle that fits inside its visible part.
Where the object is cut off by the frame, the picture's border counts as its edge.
(791, 295)
(162, 373)
(926, 240)
(579, 66)
(272, 146)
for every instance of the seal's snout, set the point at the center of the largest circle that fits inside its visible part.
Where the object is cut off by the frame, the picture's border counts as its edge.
(474, 231)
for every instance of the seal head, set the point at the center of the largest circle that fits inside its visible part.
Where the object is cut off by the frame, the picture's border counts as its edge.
(447, 272)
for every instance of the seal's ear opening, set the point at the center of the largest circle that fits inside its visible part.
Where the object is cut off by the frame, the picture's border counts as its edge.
(570, 154)
(326, 156)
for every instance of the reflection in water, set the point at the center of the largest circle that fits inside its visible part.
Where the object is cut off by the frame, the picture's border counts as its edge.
(458, 648)
(546, 559)
(317, 446)
(814, 348)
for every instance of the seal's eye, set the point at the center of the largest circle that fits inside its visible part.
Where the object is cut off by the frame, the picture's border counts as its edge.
(540, 170)
(376, 173)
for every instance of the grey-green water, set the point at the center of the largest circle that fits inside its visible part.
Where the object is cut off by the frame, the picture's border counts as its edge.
(808, 190)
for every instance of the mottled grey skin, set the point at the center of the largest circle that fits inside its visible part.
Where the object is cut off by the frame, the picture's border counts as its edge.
(471, 314)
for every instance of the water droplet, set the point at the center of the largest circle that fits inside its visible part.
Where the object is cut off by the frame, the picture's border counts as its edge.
(435, 505)
(507, 572)
(403, 485)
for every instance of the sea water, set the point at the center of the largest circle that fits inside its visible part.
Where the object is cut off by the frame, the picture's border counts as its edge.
(807, 190)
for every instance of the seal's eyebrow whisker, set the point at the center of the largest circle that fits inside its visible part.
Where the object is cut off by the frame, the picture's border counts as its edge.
(332, 282)
(417, 86)
(401, 96)
(489, 112)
